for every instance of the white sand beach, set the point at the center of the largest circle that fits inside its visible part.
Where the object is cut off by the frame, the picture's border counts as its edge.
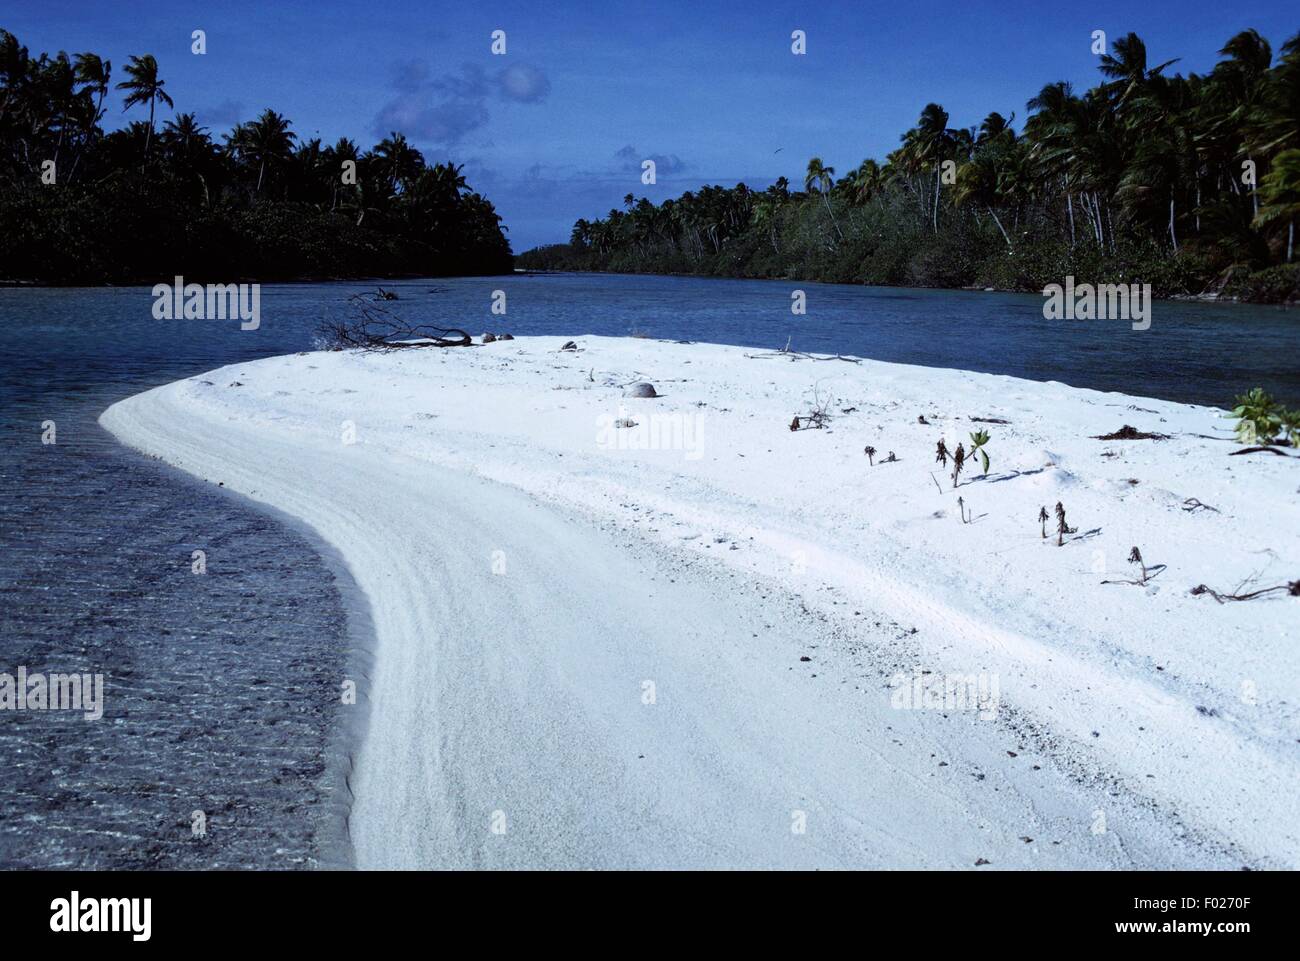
(691, 642)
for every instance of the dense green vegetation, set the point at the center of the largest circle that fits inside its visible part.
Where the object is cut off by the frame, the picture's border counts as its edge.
(83, 206)
(1146, 178)
(1261, 420)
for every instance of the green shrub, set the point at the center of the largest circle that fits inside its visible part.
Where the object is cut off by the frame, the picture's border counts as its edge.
(1258, 417)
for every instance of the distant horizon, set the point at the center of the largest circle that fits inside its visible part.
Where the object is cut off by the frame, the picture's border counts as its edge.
(557, 128)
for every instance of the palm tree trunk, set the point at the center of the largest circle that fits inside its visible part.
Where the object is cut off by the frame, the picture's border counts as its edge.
(1290, 240)
(1173, 237)
(936, 198)
(90, 127)
(1069, 207)
(1254, 195)
(994, 215)
(63, 123)
(834, 223)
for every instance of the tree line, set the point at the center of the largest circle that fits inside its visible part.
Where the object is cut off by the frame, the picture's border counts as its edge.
(132, 205)
(1190, 183)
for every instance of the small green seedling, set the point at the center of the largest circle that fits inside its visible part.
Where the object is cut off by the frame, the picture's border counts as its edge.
(977, 442)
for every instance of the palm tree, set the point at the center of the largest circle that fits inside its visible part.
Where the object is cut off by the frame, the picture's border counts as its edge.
(333, 158)
(925, 147)
(1237, 87)
(1274, 122)
(821, 177)
(453, 175)
(865, 182)
(1127, 67)
(94, 75)
(1165, 163)
(1278, 120)
(398, 162)
(1281, 190)
(184, 131)
(266, 143)
(312, 176)
(188, 150)
(995, 127)
(978, 183)
(581, 236)
(59, 80)
(1077, 140)
(144, 87)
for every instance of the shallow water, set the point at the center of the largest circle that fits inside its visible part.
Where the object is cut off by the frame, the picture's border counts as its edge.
(221, 689)
(1193, 352)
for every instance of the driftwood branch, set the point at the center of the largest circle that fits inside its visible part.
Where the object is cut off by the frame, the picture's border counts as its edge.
(1260, 450)
(1291, 587)
(797, 355)
(372, 326)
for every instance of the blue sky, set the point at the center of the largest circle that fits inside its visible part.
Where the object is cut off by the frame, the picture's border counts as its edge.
(556, 129)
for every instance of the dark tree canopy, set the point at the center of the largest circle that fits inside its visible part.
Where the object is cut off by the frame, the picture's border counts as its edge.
(153, 200)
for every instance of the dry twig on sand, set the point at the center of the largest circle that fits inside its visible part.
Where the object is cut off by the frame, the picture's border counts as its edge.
(374, 327)
(798, 355)
(1062, 528)
(818, 416)
(1291, 587)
